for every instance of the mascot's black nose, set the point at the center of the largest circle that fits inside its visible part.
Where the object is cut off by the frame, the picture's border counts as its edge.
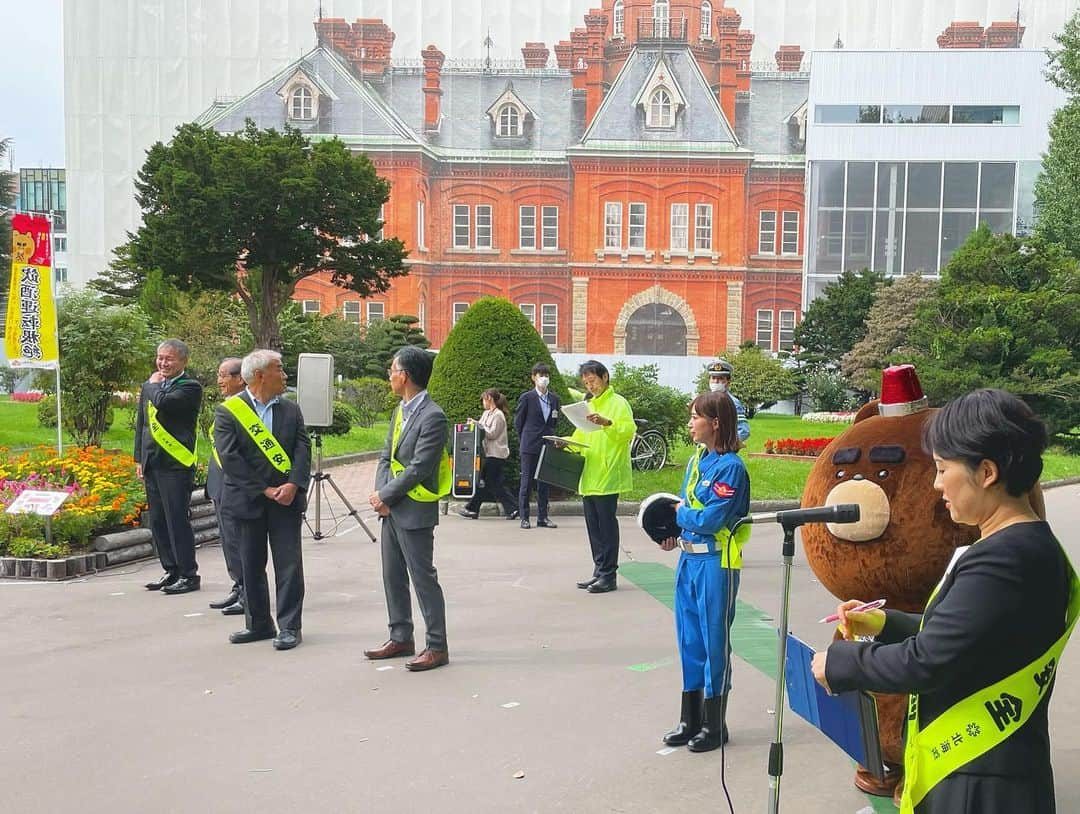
(857, 477)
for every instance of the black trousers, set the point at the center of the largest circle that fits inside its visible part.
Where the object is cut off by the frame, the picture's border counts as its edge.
(280, 525)
(528, 472)
(603, 528)
(491, 470)
(168, 494)
(230, 549)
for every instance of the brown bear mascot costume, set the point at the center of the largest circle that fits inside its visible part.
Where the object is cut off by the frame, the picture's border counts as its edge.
(904, 539)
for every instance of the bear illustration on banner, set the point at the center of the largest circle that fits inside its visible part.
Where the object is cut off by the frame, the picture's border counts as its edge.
(904, 539)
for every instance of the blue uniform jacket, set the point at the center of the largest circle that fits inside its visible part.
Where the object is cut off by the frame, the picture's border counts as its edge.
(742, 426)
(724, 491)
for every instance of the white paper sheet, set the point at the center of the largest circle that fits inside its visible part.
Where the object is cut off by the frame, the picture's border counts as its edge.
(576, 412)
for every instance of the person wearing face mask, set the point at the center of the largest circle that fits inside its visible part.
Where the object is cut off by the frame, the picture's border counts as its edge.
(720, 382)
(536, 415)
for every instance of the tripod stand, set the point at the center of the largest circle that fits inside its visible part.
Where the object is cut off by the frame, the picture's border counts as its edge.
(315, 493)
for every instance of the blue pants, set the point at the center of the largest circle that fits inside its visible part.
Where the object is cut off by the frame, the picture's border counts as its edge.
(701, 599)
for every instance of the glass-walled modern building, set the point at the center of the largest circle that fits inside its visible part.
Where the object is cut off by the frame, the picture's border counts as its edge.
(909, 151)
(43, 191)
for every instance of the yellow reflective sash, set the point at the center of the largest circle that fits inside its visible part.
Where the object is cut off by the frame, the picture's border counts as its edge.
(214, 452)
(978, 723)
(419, 493)
(165, 439)
(728, 558)
(263, 438)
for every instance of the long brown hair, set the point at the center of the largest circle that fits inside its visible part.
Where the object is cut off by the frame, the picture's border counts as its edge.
(498, 399)
(718, 406)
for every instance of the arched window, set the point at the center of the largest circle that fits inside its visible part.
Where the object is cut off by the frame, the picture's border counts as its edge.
(661, 12)
(660, 109)
(656, 330)
(618, 18)
(300, 104)
(706, 20)
(509, 121)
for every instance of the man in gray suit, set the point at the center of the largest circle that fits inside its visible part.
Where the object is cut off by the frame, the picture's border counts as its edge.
(229, 383)
(414, 472)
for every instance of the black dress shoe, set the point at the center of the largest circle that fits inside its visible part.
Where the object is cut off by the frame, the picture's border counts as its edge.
(586, 583)
(602, 586)
(545, 524)
(162, 582)
(287, 639)
(511, 516)
(184, 585)
(525, 524)
(231, 599)
(246, 636)
(235, 609)
(468, 514)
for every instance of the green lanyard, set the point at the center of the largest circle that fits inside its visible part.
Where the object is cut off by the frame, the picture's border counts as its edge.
(975, 725)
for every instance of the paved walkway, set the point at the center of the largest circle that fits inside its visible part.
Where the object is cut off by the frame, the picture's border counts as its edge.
(114, 699)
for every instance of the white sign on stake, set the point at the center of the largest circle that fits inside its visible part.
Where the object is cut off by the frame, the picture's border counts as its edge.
(41, 503)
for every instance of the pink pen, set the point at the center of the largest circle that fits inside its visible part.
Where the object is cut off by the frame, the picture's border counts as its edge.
(866, 606)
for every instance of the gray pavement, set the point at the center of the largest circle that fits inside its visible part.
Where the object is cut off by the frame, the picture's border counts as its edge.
(114, 699)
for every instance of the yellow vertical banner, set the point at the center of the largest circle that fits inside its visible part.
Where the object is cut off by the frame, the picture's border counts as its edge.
(30, 336)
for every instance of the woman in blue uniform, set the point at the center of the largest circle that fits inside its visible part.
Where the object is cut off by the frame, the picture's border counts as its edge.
(715, 494)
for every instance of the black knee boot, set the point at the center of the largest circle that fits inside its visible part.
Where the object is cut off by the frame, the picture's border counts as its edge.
(713, 731)
(689, 719)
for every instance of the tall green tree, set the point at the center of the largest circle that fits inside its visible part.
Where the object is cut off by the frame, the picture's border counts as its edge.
(1006, 314)
(836, 320)
(1057, 189)
(255, 212)
(887, 325)
(382, 339)
(7, 205)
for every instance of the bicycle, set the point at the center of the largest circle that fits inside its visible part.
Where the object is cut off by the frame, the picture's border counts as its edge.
(649, 449)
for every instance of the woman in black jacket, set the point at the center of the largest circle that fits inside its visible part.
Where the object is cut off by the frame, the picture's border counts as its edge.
(980, 661)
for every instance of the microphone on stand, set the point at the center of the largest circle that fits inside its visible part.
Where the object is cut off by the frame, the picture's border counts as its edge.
(790, 518)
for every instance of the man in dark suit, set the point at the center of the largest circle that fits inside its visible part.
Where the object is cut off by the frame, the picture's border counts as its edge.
(265, 455)
(536, 415)
(229, 383)
(414, 472)
(169, 404)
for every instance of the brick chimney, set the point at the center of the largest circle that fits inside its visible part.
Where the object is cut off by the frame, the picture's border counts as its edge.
(433, 62)
(789, 58)
(727, 39)
(1004, 34)
(961, 34)
(595, 30)
(365, 44)
(744, 44)
(536, 55)
(564, 55)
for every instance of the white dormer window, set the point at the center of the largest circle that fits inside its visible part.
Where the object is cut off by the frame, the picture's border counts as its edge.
(301, 104)
(660, 114)
(618, 20)
(706, 20)
(509, 114)
(509, 120)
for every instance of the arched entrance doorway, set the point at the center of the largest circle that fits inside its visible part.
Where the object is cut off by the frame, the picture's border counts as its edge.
(656, 329)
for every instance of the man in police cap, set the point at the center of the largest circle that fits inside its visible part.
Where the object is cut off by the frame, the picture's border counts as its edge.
(720, 380)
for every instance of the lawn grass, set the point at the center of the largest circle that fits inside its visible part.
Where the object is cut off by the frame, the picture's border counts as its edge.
(19, 429)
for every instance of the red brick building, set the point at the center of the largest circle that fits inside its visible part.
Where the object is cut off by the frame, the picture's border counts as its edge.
(642, 196)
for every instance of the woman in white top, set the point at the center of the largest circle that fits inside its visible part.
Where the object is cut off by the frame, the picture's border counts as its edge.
(496, 451)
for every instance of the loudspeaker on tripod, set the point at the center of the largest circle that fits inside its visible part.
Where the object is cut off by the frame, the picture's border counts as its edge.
(315, 388)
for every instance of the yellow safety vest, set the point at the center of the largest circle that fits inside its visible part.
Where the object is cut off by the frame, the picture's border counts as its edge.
(975, 725)
(260, 434)
(419, 493)
(728, 558)
(165, 439)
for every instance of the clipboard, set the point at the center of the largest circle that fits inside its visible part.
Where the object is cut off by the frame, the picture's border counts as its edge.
(849, 719)
(557, 467)
(568, 441)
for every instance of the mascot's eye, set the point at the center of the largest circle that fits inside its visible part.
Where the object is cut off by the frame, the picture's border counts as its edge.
(840, 474)
(883, 473)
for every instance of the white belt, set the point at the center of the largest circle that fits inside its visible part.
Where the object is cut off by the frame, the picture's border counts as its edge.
(694, 548)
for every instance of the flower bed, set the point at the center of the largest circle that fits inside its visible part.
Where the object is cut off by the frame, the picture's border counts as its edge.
(30, 396)
(804, 447)
(829, 418)
(104, 494)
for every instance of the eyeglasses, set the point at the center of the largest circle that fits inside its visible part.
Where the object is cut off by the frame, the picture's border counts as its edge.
(392, 370)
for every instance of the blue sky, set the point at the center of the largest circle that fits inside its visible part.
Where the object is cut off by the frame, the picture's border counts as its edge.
(32, 82)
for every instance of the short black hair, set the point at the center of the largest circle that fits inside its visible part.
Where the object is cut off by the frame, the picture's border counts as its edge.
(990, 425)
(541, 368)
(595, 368)
(417, 363)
